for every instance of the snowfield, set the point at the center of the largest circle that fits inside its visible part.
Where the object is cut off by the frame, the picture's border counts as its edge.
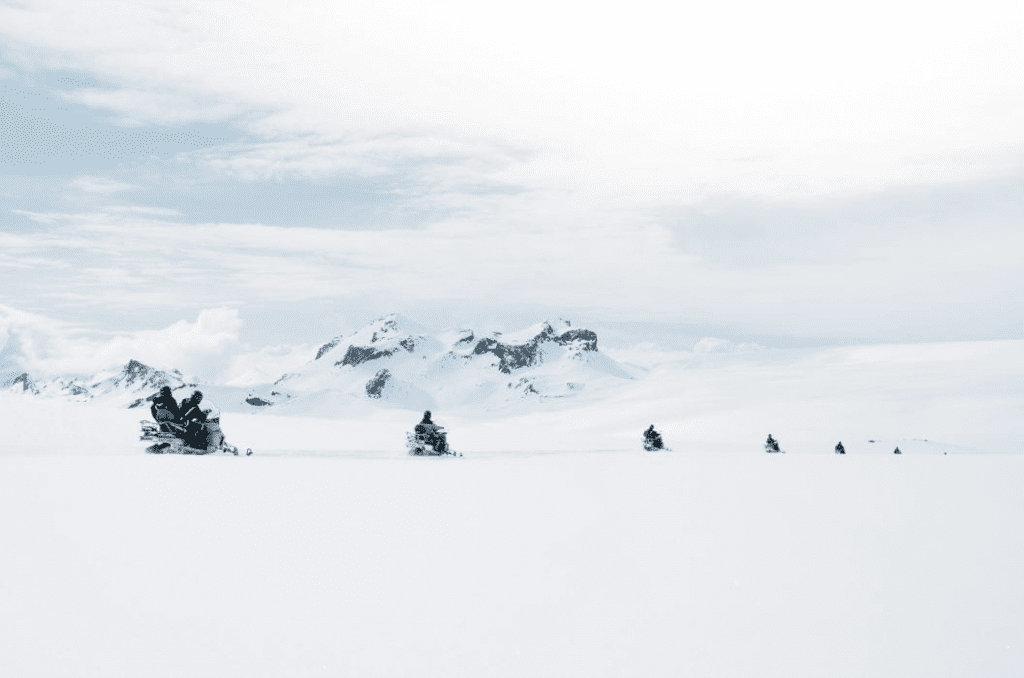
(616, 564)
(555, 547)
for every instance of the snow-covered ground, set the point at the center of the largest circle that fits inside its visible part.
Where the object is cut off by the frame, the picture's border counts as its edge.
(555, 547)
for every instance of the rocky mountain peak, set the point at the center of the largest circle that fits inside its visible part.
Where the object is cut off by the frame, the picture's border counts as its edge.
(23, 380)
(390, 329)
(138, 376)
(517, 355)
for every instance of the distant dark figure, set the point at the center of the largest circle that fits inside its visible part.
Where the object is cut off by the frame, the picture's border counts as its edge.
(771, 445)
(839, 448)
(165, 409)
(897, 451)
(652, 440)
(429, 434)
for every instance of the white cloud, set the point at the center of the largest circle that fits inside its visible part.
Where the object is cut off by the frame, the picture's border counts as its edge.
(613, 269)
(54, 217)
(265, 365)
(132, 262)
(208, 348)
(550, 137)
(647, 104)
(103, 185)
(708, 345)
(136, 107)
(47, 348)
(142, 209)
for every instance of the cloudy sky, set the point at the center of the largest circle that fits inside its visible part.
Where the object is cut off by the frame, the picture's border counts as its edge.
(254, 177)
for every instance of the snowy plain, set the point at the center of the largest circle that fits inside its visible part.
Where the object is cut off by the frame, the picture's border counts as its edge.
(555, 546)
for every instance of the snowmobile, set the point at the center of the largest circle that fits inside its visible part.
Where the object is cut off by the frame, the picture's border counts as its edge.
(653, 441)
(172, 442)
(429, 442)
(655, 446)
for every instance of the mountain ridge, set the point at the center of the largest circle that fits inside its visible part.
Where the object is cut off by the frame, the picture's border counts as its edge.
(390, 362)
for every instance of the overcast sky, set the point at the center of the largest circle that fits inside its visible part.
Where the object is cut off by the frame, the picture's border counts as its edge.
(840, 172)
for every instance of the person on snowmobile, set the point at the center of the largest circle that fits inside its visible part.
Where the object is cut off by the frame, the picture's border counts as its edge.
(652, 439)
(202, 423)
(165, 409)
(426, 428)
(429, 434)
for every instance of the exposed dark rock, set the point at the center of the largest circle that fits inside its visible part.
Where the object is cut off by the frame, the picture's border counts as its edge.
(144, 375)
(75, 390)
(326, 347)
(26, 383)
(468, 339)
(386, 328)
(356, 355)
(516, 356)
(257, 402)
(284, 377)
(587, 339)
(408, 344)
(510, 356)
(135, 371)
(526, 385)
(375, 386)
(139, 402)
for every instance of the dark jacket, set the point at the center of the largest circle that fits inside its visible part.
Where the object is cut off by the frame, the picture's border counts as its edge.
(190, 411)
(164, 409)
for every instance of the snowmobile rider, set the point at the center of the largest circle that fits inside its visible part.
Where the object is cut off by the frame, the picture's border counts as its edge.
(165, 409)
(427, 432)
(202, 423)
(653, 438)
(427, 428)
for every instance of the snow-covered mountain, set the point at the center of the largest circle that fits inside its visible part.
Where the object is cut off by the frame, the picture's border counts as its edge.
(392, 362)
(126, 386)
(395, 362)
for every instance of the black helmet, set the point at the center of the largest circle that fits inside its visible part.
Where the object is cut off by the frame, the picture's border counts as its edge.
(197, 397)
(165, 391)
